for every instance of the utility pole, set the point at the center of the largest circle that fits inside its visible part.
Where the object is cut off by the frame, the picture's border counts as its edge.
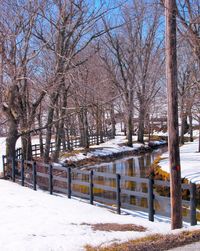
(173, 132)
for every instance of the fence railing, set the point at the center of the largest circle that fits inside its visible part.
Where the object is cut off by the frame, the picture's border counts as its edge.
(74, 143)
(107, 188)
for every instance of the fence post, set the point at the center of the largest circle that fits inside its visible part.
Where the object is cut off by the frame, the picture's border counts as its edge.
(91, 187)
(118, 190)
(34, 175)
(4, 168)
(151, 199)
(69, 180)
(13, 169)
(22, 172)
(193, 220)
(50, 179)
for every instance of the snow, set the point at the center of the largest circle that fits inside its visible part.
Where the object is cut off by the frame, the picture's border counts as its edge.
(162, 133)
(18, 145)
(36, 221)
(104, 149)
(190, 162)
(157, 143)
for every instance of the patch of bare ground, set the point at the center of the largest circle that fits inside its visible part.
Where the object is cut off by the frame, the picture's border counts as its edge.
(115, 227)
(156, 242)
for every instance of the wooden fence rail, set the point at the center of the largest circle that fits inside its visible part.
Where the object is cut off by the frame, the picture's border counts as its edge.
(57, 178)
(74, 143)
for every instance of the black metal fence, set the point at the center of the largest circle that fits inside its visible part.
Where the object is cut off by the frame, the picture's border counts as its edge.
(94, 186)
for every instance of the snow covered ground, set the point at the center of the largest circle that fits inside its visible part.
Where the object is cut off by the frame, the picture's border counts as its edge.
(36, 221)
(190, 162)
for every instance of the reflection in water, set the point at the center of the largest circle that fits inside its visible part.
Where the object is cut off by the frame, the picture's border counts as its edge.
(131, 166)
(134, 166)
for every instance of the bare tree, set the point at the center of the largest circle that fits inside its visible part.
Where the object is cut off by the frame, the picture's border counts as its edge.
(134, 60)
(188, 14)
(66, 28)
(17, 54)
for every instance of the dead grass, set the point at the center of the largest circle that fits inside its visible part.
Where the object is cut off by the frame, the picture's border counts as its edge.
(156, 242)
(71, 153)
(115, 227)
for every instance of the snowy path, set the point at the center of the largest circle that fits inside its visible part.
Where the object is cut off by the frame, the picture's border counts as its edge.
(34, 220)
(190, 162)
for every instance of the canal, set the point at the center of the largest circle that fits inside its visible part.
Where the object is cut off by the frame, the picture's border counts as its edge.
(133, 166)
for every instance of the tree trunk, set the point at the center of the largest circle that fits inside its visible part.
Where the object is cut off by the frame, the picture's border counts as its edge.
(199, 134)
(184, 127)
(86, 129)
(190, 127)
(40, 132)
(130, 127)
(60, 128)
(141, 124)
(41, 143)
(69, 147)
(26, 146)
(11, 142)
(63, 139)
(172, 94)
(149, 126)
(101, 125)
(97, 125)
(113, 122)
(49, 127)
(81, 127)
(125, 130)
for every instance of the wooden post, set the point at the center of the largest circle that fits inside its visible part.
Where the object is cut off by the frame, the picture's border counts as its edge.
(151, 200)
(34, 176)
(172, 94)
(193, 219)
(118, 190)
(69, 182)
(91, 187)
(50, 179)
(22, 172)
(4, 166)
(13, 169)
(19, 153)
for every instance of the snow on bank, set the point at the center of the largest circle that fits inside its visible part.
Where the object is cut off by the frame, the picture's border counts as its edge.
(165, 134)
(34, 221)
(190, 162)
(108, 148)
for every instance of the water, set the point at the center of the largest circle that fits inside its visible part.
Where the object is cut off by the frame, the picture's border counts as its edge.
(133, 166)
(137, 166)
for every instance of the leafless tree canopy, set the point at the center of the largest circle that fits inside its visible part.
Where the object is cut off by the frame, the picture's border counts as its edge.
(75, 68)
